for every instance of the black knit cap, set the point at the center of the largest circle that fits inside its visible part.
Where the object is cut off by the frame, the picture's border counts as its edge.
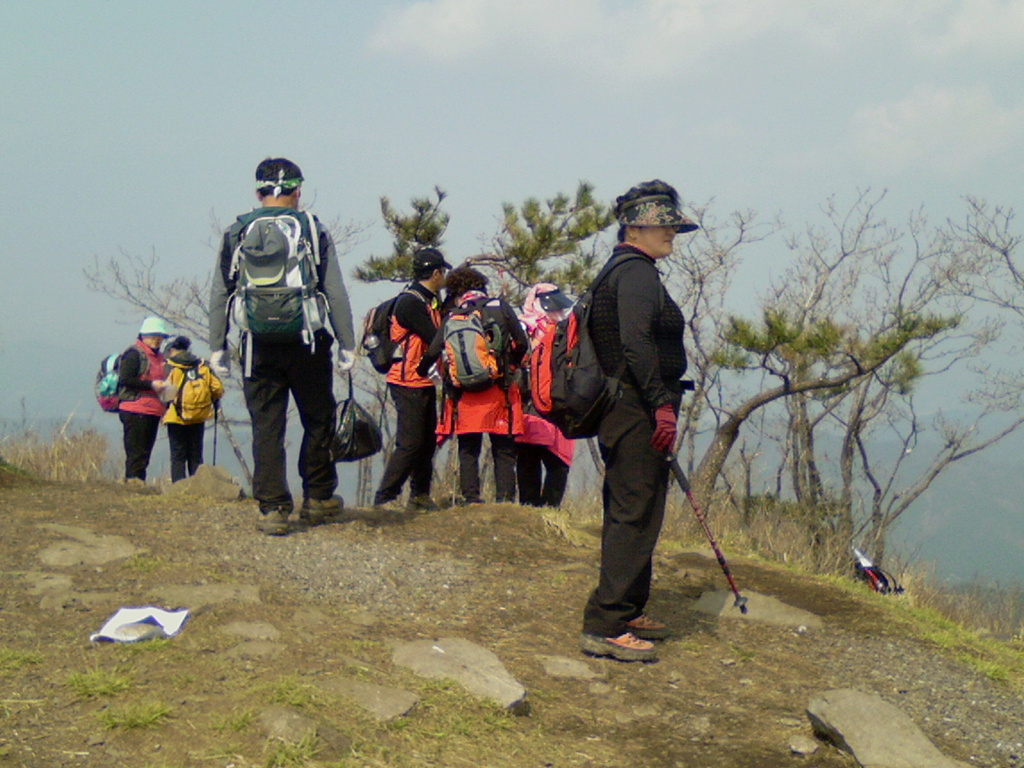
(179, 342)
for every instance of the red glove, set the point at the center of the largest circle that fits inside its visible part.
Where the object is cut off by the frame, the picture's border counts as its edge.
(664, 436)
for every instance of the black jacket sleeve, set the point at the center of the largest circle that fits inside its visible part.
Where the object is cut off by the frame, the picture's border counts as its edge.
(129, 371)
(411, 313)
(432, 353)
(639, 297)
(520, 341)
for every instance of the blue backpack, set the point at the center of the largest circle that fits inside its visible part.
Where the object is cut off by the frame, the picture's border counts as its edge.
(106, 383)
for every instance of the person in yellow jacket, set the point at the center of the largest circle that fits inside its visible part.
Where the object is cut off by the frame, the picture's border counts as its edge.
(191, 396)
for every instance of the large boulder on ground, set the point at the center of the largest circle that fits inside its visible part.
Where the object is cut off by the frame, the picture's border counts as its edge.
(477, 669)
(876, 733)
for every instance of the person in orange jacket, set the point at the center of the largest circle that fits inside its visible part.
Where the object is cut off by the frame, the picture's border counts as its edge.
(496, 410)
(414, 323)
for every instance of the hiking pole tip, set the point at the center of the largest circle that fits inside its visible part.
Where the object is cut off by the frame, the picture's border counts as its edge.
(741, 603)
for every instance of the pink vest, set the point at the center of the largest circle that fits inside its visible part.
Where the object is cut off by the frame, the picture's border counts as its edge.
(147, 403)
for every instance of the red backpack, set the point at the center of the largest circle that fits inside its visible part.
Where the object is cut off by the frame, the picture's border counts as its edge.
(567, 385)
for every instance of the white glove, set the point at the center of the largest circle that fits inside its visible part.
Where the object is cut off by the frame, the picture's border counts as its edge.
(346, 359)
(220, 363)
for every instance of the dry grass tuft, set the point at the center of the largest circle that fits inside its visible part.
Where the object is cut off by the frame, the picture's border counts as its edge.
(67, 456)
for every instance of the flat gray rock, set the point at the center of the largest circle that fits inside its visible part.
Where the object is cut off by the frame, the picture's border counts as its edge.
(477, 669)
(876, 733)
(208, 481)
(761, 608)
(41, 582)
(196, 597)
(563, 666)
(70, 600)
(253, 630)
(802, 745)
(255, 649)
(289, 725)
(383, 703)
(88, 548)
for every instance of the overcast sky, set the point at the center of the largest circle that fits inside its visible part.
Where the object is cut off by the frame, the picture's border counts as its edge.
(128, 126)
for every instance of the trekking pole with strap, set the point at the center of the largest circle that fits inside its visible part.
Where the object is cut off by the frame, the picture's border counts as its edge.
(216, 417)
(740, 602)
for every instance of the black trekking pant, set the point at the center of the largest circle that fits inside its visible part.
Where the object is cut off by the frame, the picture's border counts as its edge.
(634, 492)
(277, 370)
(186, 441)
(503, 454)
(533, 463)
(415, 442)
(140, 430)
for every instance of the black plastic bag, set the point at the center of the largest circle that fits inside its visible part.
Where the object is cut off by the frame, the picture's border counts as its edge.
(357, 434)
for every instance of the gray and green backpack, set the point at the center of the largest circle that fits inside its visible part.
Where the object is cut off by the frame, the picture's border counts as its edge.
(276, 271)
(474, 347)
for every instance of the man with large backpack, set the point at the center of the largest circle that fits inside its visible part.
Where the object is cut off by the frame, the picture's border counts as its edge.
(415, 318)
(278, 280)
(637, 333)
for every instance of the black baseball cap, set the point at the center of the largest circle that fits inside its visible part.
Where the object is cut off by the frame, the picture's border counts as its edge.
(427, 260)
(553, 301)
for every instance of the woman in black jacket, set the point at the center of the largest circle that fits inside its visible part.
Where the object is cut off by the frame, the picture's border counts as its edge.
(638, 333)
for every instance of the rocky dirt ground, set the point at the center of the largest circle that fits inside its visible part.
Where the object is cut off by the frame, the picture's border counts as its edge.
(273, 619)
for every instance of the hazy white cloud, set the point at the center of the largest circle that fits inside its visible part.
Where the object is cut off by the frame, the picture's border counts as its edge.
(948, 130)
(642, 39)
(993, 28)
(654, 39)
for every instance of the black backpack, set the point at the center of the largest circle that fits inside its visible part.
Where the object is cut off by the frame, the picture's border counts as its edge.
(381, 350)
(568, 387)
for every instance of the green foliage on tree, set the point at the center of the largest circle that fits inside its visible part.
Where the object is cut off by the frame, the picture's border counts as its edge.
(422, 228)
(553, 242)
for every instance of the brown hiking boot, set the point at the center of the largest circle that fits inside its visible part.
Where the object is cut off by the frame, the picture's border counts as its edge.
(274, 521)
(315, 511)
(625, 647)
(646, 628)
(422, 503)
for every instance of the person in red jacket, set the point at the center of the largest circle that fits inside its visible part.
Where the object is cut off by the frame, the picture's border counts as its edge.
(139, 384)
(496, 410)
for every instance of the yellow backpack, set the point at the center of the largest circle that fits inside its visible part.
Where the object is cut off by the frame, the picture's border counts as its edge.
(194, 401)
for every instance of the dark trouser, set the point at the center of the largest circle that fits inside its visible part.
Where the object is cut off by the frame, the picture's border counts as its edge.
(535, 461)
(503, 453)
(186, 442)
(140, 431)
(278, 369)
(635, 487)
(413, 457)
